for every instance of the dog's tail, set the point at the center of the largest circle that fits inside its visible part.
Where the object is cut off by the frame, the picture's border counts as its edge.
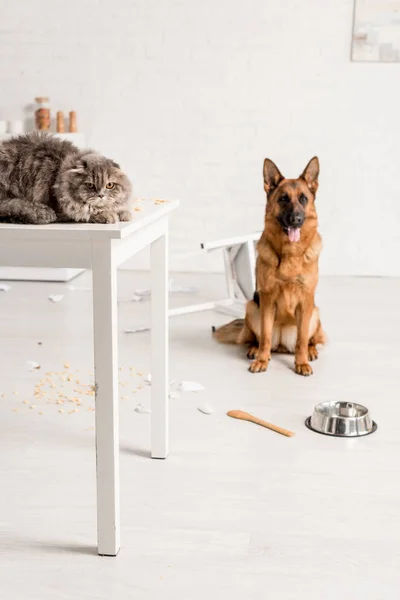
(229, 333)
(235, 332)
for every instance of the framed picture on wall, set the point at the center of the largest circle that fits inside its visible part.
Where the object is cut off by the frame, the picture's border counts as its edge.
(376, 31)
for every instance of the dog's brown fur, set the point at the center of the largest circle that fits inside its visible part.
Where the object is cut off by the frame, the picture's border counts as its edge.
(286, 319)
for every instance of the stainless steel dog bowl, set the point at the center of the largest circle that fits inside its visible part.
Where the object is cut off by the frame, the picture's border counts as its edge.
(343, 419)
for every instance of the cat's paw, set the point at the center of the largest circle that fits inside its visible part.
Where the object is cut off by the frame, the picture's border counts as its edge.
(125, 215)
(105, 217)
(43, 215)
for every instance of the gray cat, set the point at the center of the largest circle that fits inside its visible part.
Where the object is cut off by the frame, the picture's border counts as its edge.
(44, 179)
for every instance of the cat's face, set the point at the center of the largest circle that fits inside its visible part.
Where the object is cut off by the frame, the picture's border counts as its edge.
(98, 182)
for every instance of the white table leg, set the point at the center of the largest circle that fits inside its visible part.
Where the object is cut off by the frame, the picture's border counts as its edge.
(106, 377)
(159, 346)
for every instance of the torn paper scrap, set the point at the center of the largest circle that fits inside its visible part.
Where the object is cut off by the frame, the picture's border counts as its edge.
(142, 292)
(56, 297)
(137, 298)
(136, 329)
(206, 409)
(4, 287)
(147, 380)
(141, 409)
(190, 386)
(32, 365)
(181, 289)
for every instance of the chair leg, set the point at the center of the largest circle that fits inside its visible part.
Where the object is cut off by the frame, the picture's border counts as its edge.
(159, 347)
(106, 377)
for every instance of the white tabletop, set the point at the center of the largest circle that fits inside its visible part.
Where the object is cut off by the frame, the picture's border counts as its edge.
(149, 213)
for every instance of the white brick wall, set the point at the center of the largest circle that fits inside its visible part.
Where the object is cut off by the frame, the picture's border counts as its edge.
(191, 96)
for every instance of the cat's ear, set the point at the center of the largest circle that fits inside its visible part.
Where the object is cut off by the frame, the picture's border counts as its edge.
(116, 165)
(80, 166)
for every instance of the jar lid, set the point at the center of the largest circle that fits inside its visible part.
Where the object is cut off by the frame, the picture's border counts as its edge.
(42, 99)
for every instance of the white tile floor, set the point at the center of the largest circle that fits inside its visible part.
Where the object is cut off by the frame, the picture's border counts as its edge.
(236, 511)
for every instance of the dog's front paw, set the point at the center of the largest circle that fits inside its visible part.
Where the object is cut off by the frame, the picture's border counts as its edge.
(252, 353)
(312, 352)
(258, 366)
(303, 369)
(125, 215)
(105, 217)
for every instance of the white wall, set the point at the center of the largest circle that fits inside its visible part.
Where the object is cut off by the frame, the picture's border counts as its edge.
(192, 95)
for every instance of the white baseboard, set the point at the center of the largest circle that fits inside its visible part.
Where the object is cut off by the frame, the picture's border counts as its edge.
(38, 274)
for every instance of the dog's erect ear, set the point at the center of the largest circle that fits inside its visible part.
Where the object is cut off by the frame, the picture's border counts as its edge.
(310, 174)
(272, 175)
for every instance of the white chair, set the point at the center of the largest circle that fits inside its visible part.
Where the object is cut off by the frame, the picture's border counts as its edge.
(102, 248)
(239, 255)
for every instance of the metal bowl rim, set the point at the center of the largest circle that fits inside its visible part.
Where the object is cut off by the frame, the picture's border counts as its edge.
(332, 402)
(307, 423)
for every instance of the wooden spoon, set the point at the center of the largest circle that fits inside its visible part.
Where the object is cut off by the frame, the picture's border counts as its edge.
(244, 416)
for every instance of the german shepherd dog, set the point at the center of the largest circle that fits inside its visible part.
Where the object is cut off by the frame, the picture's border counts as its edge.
(282, 317)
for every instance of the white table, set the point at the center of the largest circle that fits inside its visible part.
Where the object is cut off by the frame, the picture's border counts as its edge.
(102, 248)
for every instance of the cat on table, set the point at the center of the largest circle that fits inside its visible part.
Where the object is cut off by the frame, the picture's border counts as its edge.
(44, 179)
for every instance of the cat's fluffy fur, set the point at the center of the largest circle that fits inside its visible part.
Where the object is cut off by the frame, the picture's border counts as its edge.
(44, 179)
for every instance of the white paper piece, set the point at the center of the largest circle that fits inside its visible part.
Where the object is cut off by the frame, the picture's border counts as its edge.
(190, 386)
(147, 380)
(206, 409)
(4, 287)
(174, 395)
(136, 329)
(142, 292)
(137, 298)
(32, 365)
(56, 297)
(181, 289)
(141, 409)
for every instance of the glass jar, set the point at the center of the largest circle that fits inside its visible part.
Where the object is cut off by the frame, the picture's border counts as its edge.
(42, 114)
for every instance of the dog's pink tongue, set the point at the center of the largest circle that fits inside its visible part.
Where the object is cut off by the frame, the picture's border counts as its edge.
(294, 234)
